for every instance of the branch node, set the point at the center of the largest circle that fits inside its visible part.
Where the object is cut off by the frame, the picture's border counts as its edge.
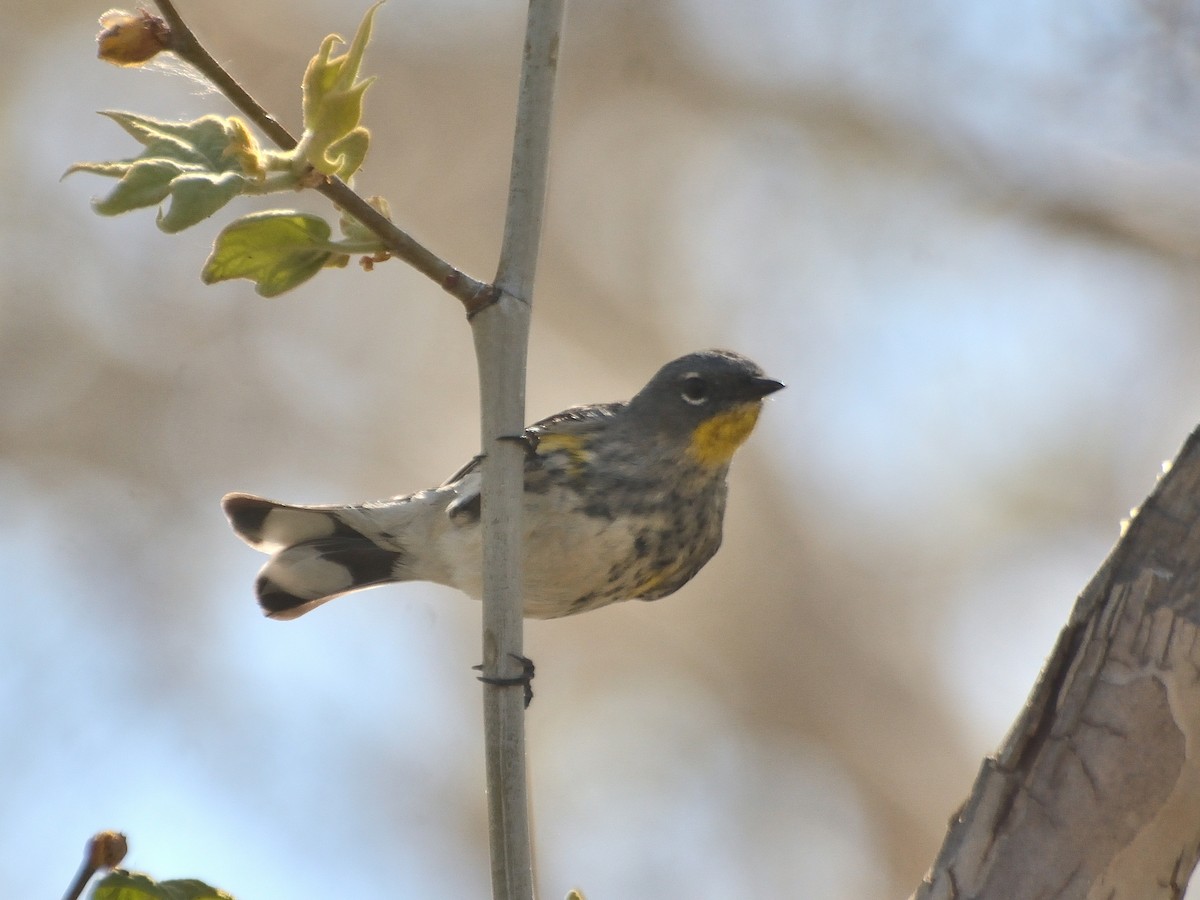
(479, 300)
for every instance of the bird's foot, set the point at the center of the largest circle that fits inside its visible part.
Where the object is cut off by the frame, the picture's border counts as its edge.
(525, 679)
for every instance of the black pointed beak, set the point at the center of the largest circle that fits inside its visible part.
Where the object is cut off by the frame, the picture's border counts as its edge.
(759, 387)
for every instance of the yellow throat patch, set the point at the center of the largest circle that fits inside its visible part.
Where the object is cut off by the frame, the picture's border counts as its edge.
(715, 440)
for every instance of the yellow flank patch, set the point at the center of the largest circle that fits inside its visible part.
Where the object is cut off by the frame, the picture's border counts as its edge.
(570, 444)
(654, 581)
(715, 440)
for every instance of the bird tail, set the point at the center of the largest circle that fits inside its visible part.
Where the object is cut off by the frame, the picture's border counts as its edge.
(315, 555)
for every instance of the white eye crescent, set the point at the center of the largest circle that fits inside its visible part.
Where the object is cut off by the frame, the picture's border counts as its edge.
(695, 389)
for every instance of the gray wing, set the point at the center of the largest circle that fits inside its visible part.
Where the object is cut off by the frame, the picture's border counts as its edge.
(575, 420)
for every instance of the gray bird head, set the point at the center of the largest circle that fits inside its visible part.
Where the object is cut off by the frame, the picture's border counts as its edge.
(708, 400)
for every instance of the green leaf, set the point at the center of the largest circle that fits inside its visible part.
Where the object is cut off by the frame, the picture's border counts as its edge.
(199, 166)
(122, 885)
(350, 152)
(195, 197)
(332, 104)
(145, 184)
(203, 142)
(277, 250)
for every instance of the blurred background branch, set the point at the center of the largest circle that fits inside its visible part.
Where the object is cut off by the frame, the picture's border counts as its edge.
(964, 235)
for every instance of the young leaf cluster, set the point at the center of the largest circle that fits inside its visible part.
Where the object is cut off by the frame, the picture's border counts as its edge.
(195, 167)
(190, 170)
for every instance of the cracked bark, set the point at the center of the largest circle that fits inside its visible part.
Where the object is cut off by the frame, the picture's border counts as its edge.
(1095, 793)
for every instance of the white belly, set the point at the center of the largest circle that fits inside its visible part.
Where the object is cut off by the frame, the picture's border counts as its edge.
(562, 564)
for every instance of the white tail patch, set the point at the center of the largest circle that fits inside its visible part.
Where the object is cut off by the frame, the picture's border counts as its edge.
(286, 525)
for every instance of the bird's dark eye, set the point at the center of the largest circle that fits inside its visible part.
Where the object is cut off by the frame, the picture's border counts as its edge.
(695, 389)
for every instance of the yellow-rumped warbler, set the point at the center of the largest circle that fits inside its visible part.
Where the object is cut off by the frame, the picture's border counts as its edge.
(622, 500)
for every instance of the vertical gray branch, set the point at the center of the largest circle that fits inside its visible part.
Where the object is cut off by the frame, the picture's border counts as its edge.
(501, 332)
(531, 150)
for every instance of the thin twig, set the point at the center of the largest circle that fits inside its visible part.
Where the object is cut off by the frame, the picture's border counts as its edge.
(184, 44)
(82, 877)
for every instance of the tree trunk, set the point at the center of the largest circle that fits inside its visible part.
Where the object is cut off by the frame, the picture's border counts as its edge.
(1096, 791)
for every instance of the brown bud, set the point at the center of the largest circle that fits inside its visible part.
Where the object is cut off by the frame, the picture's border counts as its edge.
(106, 849)
(368, 262)
(130, 39)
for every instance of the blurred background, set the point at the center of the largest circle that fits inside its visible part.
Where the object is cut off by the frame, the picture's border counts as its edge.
(963, 233)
